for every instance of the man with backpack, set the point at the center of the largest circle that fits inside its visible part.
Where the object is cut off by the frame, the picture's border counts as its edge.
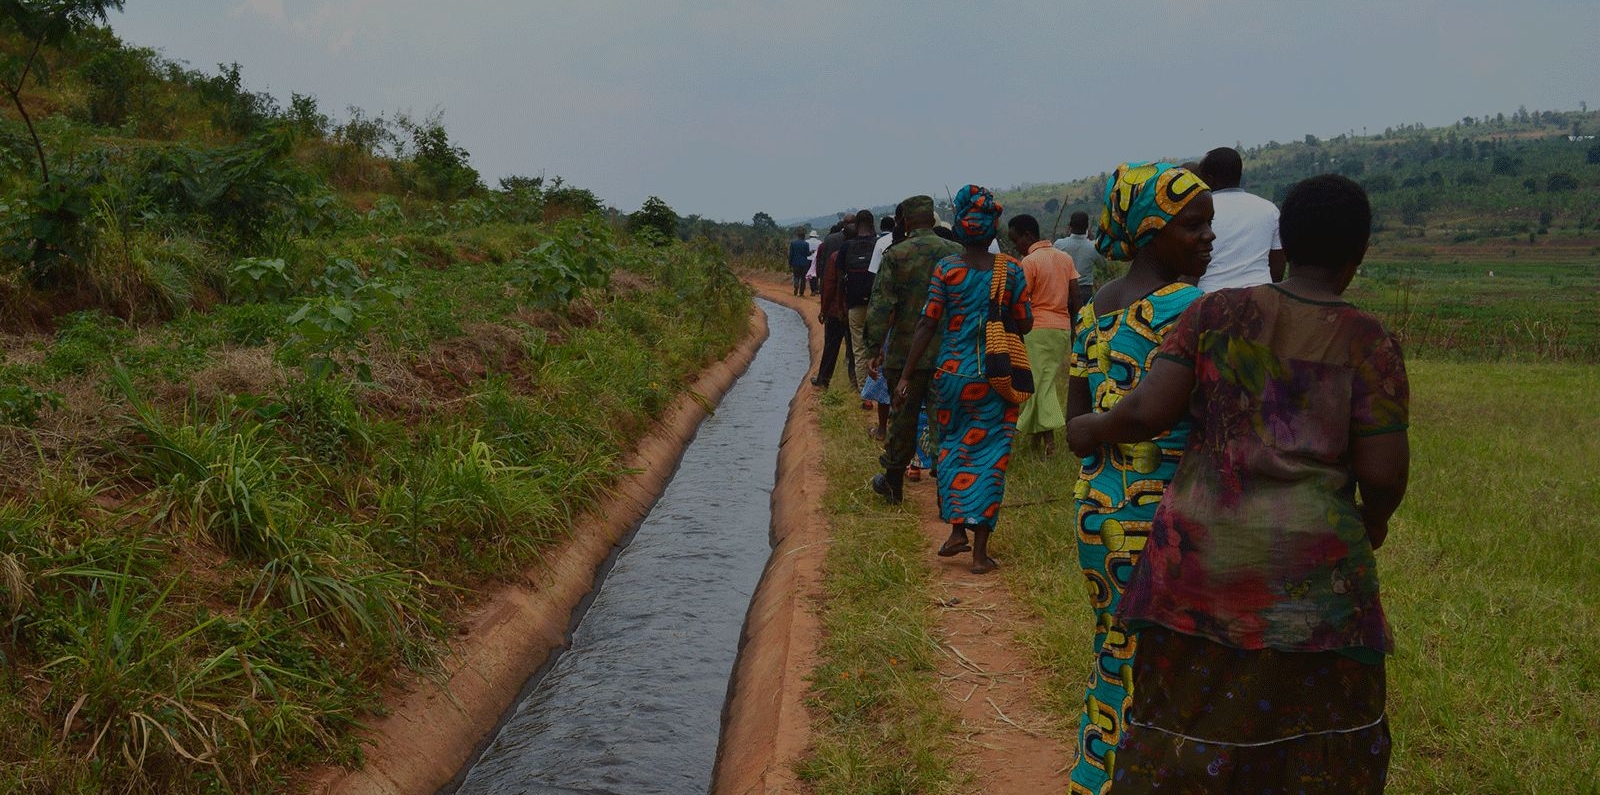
(855, 272)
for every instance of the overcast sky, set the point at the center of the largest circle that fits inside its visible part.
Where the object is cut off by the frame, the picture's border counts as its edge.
(802, 108)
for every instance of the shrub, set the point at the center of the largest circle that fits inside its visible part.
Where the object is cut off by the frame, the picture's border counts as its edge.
(655, 220)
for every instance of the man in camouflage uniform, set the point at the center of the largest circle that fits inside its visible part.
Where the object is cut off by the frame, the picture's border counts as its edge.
(898, 296)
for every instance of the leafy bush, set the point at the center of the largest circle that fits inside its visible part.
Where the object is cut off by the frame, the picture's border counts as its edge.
(329, 331)
(578, 255)
(20, 404)
(257, 279)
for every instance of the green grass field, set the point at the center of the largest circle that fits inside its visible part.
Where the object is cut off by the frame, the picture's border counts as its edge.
(1490, 576)
(1490, 308)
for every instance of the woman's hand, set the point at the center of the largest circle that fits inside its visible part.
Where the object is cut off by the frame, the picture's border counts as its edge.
(1377, 526)
(1081, 435)
(902, 390)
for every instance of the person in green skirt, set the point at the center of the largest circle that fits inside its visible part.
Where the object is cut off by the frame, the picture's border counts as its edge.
(1052, 287)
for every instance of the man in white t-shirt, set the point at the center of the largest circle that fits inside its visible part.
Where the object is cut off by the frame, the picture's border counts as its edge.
(885, 239)
(1246, 252)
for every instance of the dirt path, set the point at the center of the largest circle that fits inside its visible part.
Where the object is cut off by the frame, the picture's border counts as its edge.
(1007, 743)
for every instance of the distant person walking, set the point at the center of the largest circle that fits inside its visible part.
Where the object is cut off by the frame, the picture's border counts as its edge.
(1247, 251)
(1052, 290)
(814, 242)
(799, 260)
(834, 314)
(1260, 627)
(1158, 216)
(855, 262)
(976, 424)
(898, 296)
(1085, 257)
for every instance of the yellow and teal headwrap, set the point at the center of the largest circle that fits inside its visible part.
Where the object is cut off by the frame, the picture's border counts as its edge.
(977, 215)
(1140, 199)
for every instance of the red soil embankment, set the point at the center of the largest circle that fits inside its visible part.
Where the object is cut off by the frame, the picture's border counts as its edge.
(432, 729)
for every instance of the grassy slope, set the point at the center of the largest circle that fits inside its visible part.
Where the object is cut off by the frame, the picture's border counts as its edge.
(215, 585)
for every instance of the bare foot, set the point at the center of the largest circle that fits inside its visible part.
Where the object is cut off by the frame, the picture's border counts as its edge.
(956, 543)
(984, 565)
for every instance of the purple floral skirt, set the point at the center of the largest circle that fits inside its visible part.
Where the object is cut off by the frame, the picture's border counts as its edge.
(1206, 717)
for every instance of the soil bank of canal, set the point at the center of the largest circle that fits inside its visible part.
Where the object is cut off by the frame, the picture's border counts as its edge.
(434, 727)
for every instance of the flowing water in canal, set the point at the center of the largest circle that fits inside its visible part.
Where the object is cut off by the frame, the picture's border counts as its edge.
(634, 706)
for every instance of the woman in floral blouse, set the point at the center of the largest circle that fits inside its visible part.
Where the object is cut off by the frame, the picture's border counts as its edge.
(1256, 606)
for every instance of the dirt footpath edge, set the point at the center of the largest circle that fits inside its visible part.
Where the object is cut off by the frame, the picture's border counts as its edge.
(431, 731)
(766, 727)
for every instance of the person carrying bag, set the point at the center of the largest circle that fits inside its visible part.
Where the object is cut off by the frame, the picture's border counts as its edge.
(1005, 361)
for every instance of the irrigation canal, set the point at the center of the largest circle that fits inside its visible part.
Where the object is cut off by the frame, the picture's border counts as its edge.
(634, 705)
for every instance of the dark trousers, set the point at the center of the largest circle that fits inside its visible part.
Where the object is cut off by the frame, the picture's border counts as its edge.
(834, 332)
(799, 280)
(901, 442)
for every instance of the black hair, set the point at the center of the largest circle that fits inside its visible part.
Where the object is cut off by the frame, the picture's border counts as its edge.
(1325, 222)
(886, 224)
(800, 232)
(1222, 167)
(1078, 221)
(836, 228)
(864, 221)
(1024, 223)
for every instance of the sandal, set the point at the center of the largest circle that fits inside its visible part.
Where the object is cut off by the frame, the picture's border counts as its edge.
(913, 473)
(874, 433)
(951, 550)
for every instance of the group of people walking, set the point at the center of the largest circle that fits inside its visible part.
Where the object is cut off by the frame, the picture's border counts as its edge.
(1242, 431)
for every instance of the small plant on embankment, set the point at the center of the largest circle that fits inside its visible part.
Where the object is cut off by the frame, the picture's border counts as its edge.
(881, 727)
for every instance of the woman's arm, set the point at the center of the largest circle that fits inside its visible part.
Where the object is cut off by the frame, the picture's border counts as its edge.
(1160, 400)
(1382, 466)
(1079, 401)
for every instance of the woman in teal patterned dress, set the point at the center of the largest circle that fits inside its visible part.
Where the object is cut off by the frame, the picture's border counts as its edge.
(1158, 216)
(976, 424)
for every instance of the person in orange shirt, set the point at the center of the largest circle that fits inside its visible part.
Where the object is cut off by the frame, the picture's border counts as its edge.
(1052, 281)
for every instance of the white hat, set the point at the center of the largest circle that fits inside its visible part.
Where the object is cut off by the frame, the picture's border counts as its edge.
(813, 233)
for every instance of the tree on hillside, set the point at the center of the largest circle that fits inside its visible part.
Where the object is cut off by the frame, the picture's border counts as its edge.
(763, 222)
(655, 217)
(42, 22)
(439, 168)
(1560, 181)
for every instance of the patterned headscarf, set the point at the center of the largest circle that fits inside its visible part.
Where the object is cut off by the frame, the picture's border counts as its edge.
(1140, 199)
(977, 215)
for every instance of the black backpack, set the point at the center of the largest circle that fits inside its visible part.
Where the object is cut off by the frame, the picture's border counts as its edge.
(854, 258)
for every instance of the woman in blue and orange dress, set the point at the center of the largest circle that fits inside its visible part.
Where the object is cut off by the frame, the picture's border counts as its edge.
(1159, 217)
(977, 425)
